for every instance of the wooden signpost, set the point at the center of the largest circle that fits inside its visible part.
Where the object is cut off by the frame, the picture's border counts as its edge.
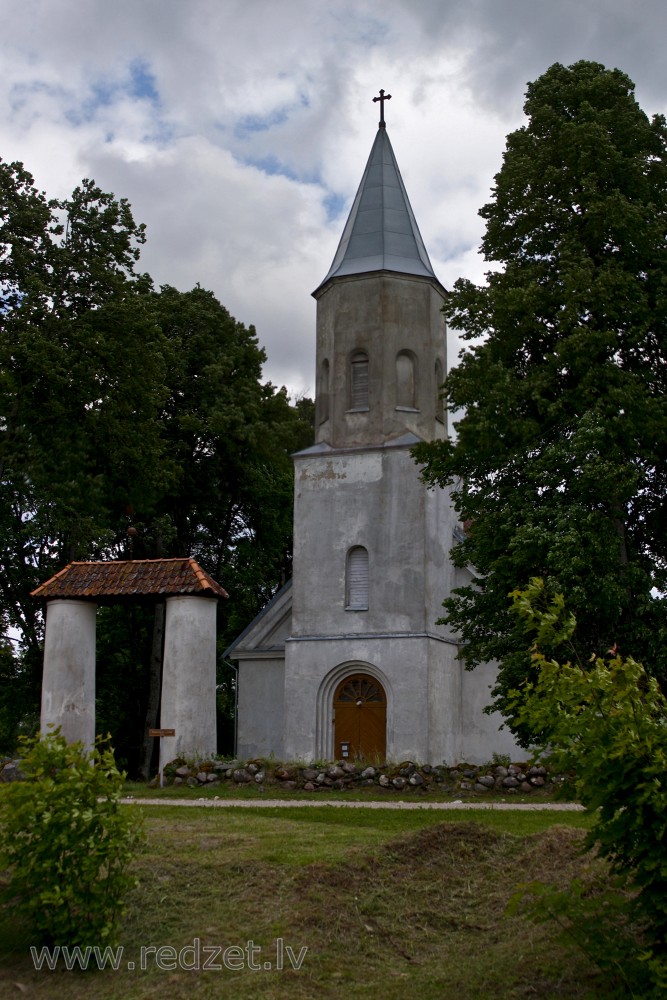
(160, 733)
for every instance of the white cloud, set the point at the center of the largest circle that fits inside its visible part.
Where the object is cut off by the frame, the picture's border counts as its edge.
(234, 126)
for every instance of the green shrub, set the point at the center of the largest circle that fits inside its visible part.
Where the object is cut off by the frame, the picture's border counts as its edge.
(605, 722)
(594, 913)
(67, 842)
(500, 760)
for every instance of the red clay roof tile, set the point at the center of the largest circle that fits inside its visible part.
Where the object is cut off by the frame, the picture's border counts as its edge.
(136, 578)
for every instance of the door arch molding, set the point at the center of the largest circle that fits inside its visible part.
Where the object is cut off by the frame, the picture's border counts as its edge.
(325, 698)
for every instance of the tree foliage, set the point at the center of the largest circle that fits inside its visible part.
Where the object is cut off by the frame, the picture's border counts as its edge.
(558, 469)
(81, 378)
(229, 437)
(123, 406)
(604, 723)
(67, 842)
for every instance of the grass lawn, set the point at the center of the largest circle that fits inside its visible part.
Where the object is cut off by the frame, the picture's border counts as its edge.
(388, 904)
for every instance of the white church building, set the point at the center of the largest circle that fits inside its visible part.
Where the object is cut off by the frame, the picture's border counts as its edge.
(347, 660)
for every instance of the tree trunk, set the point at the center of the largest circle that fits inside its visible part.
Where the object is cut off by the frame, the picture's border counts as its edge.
(154, 690)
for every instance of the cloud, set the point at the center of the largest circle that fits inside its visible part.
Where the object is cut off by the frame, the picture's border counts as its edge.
(239, 129)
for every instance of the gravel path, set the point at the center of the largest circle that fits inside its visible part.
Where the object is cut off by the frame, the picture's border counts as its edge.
(339, 804)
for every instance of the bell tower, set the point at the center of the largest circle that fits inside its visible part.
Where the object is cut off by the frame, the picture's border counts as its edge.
(371, 543)
(349, 659)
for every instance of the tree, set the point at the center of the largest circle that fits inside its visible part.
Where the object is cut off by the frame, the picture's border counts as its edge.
(230, 436)
(81, 382)
(559, 467)
(17, 703)
(228, 500)
(126, 407)
(604, 723)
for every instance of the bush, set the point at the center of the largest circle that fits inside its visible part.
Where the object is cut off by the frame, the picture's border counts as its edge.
(67, 842)
(605, 721)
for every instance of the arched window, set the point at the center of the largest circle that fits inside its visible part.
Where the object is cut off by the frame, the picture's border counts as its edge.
(405, 380)
(356, 579)
(439, 402)
(323, 393)
(359, 381)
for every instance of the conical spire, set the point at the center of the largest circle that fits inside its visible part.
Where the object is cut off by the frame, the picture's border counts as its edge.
(381, 233)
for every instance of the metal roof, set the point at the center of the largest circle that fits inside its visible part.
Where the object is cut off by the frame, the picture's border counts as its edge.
(381, 233)
(135, 578)
(407, 440)
(268, 629)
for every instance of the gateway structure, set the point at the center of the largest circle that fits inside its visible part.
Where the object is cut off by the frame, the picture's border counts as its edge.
(347, 660)
(187, 701)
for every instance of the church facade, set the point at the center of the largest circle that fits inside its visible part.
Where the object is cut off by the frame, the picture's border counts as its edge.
(347, 660)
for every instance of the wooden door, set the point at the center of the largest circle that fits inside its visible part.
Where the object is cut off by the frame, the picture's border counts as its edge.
(360, 719)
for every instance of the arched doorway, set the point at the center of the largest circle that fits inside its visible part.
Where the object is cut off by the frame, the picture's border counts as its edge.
(360, 718)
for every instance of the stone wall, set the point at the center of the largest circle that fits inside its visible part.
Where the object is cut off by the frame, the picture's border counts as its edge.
(10, 769)
(505, 779)
(499, 779)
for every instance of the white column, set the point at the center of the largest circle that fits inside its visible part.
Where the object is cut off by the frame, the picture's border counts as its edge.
(188, 678)
(68, 683)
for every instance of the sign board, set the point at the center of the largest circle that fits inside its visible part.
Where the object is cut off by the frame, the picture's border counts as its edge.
(161, 732)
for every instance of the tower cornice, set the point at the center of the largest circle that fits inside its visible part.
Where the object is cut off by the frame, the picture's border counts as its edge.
(381, 272)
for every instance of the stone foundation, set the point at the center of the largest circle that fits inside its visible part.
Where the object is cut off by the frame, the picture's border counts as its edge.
(500, 779)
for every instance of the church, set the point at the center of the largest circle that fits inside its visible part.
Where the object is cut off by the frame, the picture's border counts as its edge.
(347, 660)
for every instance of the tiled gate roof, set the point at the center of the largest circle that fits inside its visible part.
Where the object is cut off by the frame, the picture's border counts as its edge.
(134, 578)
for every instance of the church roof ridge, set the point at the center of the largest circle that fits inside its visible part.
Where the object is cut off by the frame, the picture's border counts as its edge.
(381, 232)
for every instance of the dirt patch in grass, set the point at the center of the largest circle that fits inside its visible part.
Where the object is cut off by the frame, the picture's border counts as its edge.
(430, 908)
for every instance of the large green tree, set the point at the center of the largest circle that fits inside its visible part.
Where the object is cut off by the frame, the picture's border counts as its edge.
(123, 407)
(81, 382)
(559, 466)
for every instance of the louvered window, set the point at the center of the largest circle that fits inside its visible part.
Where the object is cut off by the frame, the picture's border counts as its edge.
(359, 382)
(357, 579)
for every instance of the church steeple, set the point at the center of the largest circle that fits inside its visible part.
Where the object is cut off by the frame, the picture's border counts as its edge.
(381, 233)
(380, 329)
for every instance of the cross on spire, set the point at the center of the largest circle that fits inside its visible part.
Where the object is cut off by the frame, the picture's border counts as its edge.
(382, 98)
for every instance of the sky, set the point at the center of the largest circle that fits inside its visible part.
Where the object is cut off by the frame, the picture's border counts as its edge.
(239, 129)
